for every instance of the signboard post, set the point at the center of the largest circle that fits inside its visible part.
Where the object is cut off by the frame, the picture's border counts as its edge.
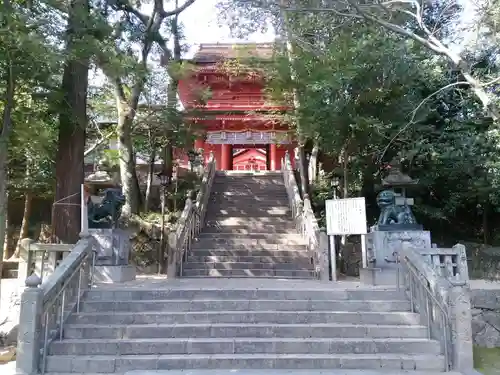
(84, 229)
(345, 217)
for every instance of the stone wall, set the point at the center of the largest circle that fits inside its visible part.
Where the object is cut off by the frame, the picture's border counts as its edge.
(486, 313)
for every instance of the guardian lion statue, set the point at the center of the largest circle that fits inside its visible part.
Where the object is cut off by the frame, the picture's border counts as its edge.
(390, 213)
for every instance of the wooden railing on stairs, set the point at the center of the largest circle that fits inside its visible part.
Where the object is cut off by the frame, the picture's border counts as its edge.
(190, 223)
(305, 221)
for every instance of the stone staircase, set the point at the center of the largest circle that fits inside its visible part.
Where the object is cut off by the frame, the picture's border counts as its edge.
(243, 324)
(249, 231)
(270, 322)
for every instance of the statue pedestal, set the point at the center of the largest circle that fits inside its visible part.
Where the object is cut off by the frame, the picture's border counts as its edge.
(382, 247)
(112, 262)
(114, 274)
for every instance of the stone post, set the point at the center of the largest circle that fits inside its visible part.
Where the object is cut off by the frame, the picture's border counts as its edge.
(25, 261)
(461, 330)
(324, 274)
(30, 326)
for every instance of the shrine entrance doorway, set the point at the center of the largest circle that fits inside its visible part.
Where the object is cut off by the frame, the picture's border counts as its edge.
(250, 158)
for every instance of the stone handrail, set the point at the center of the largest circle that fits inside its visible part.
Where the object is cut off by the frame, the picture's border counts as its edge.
(448, 262)
(190, 223)
(46, 306)
(443, 304)
(306, 222)
(39, 258)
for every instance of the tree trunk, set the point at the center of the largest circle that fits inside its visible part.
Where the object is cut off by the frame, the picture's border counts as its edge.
(486, 226)
(72, 125)
(151, 171)
(130, 183)
(303, 171)
(25, 225)
(4, 140)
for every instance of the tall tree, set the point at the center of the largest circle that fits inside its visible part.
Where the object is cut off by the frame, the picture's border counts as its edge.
(128, 73)
(406, 18)
(72, 125)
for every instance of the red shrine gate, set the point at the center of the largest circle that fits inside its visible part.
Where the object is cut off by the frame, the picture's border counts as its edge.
(237, 123)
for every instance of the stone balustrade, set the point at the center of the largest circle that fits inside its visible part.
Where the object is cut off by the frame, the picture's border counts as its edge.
(306, 221)
(40, 259)
(441, 298)
(190, 223)
(447, 262)
(46, 306)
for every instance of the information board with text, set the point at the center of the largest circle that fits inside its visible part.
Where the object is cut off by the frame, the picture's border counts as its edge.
(345, 216)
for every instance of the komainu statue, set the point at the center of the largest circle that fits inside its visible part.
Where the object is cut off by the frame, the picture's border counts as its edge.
(392, 214)
(105, 214)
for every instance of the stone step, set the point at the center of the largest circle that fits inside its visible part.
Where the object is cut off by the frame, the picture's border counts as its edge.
(207, 293)
(246, 317)
(264, 221)
(271, 238)
(249, 239)
(144, 331)
(264, 180)
(264, 200)
(244, 305)
(252, 272)
(220, 214)
(248, 187)
(242, 345)
(302, 259)
(248, 173)
(246, 193)
(262, 250)
(249, 229)
(289, 372)
(246, 266)
(269, 203)
(248, 211)
(245, 185)
(120, 364)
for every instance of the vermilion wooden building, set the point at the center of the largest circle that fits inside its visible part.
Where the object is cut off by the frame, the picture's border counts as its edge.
(243, 129)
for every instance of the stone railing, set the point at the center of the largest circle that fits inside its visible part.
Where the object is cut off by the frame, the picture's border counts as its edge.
(40, 259)
(306, 222)
(447, 262)
(190, 223)
(442, 301)
(46, 306)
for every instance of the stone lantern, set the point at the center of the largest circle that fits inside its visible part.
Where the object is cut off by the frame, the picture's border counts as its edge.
(396, 228)
(395, 206)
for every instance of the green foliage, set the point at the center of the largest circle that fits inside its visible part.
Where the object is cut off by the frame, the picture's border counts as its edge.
(26, 44)
(367, 95)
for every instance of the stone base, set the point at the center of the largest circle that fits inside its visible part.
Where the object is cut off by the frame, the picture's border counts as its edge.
(383, 246)
(114, 274)
(379, 276)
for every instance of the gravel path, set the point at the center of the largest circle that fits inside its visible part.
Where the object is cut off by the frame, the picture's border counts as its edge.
(9, 309)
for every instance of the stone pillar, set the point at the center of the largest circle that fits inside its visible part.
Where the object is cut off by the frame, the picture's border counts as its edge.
(461, 329)
(324, 261)
(273, 157)
(25, 261)
(30, 325)
(225, 163)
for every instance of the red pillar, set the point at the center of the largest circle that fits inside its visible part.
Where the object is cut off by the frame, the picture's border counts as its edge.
(225, 162)
(273, 157)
